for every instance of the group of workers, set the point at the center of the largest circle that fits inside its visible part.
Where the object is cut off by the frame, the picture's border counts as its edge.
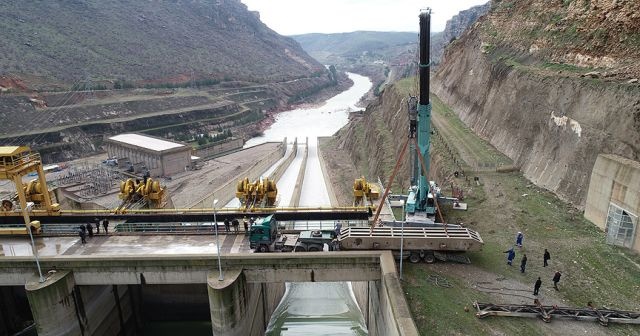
(511, 254)
(87, 229)
(236, 224)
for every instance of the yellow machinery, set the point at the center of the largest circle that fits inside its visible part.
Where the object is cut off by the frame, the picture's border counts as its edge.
(134, 191)
(15, 163)
(261, 193)
(34, 192)
(364, 191)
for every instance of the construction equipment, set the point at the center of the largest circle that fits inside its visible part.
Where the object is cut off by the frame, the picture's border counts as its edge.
(426, 244)
(421, 198)
(546, 313)
(35, 192)
(259, 194)
(364, 192)
(17, 162)
(421, 202)
(147, 193)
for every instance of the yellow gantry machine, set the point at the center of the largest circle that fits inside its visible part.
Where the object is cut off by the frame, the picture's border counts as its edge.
(149, 191)
(259, 194)
(364, 192)
(17, 162)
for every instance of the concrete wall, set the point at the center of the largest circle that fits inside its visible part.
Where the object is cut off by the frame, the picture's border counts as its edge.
(278, 172)
(297, 189)
(616, 180)
(176, 162)
(383, 303)
(324, 169)
(219, 148)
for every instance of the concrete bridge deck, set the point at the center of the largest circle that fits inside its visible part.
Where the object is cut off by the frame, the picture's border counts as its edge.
(125, 245)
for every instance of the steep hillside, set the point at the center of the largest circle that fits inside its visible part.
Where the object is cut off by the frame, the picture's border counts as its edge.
(143, 42)
(454, 28)
(585, 33)
(524, 79)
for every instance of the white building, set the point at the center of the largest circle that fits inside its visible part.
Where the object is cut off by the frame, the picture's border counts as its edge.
(160, 157)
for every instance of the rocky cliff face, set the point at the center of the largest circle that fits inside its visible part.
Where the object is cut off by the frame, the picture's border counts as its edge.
(509, 79)
(454, 28)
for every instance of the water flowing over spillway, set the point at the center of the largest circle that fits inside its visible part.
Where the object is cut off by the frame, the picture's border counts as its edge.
(317, 309)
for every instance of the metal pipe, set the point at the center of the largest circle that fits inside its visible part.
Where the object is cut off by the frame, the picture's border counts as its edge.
(401, 248)
(215, 223)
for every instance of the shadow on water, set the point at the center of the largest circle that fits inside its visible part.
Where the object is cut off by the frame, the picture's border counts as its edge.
(317, 309)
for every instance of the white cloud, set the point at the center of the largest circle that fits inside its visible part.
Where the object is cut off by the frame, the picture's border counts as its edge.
(290, 17)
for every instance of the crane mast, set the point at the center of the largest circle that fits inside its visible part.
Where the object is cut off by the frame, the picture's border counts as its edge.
(420, 198)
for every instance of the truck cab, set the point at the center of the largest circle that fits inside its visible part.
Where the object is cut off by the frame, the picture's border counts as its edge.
(263, 233)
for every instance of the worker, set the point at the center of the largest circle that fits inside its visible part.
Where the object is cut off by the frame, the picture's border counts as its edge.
(236, 225)
(105, 226)
(96, 223)
(519, 238)
(338, 228)
(511, 254)
(536, 287)
(546, 257)
(245, 222)
(90, 229)
(523, 263)
(227, 225)
(556, 279)
(82, 235)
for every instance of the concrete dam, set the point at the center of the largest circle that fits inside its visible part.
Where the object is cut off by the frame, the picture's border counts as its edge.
(101, 295)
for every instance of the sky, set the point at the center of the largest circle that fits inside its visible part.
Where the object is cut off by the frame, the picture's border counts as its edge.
(292, 17)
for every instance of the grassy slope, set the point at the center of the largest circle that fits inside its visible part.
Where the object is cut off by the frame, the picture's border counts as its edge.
(592, 270)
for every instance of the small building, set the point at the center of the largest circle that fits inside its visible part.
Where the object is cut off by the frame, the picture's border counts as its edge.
(613, 201)
(160, 157)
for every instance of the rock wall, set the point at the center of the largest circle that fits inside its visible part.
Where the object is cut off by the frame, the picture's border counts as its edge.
(551, 125)
(454, 28)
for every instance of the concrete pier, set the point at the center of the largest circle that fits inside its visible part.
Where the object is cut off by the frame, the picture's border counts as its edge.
(56, 305)
(61, 307)
(238, 307)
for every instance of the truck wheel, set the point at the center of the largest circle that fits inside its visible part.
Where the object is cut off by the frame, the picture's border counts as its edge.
(414, 257)
(429, 258)
(263, 248)
(300, 249)
(315, 249)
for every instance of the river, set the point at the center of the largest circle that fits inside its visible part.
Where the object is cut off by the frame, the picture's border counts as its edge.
(317, 309)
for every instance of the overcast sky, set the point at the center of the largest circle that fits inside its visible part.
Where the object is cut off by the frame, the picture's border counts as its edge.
(292, 17)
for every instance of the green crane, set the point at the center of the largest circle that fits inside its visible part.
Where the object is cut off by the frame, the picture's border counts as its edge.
(420, 198)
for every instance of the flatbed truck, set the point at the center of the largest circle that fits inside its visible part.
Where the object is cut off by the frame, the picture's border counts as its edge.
(417, 243)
